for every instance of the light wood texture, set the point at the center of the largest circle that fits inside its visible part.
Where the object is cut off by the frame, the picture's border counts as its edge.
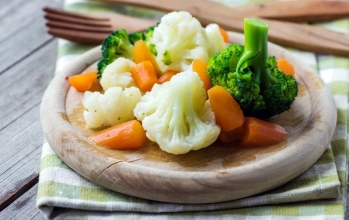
(214, 174)
(288, 34)
(91, 29)
(27, 63)
(298, 11)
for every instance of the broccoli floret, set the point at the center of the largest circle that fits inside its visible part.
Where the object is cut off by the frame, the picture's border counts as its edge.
(147, 35)
(166, 58)
(136, 36)
(101, 65)
(251, 76)
(115, 45)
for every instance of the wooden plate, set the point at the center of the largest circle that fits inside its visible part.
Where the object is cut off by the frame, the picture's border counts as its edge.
(214, 174)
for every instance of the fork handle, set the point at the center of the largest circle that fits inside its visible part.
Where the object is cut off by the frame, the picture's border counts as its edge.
(289, 34)
(298, 11)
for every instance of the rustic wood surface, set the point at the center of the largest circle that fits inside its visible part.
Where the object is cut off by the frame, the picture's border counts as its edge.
(161, 176)
(27, 63)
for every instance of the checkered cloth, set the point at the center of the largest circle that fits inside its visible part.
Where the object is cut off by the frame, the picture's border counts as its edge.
(319, 193)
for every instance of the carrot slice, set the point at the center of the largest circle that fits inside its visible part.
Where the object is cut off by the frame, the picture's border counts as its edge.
(232, 136)
(144, 75)
(260, 133)
(200, 67)
(227, 111)
(142, 53)
(224, 34)
(285, 67)
(83, 82)
(125, 135)
(166, 76)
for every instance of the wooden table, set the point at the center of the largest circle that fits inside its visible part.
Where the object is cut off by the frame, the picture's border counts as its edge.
(27, 64)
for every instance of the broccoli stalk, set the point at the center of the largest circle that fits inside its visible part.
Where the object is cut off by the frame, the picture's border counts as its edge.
(251, 76)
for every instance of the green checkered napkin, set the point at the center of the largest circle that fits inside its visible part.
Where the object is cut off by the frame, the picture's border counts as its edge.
(319, 193)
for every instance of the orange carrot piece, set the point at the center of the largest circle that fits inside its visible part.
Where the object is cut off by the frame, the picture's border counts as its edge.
(285, 67)
(83, 82)
(142, 53)
(227, 111)
(232, 136)
(200, 67)
(144, 75)
(126, 135)
(166, 76)
(224, 34)
(261, 133)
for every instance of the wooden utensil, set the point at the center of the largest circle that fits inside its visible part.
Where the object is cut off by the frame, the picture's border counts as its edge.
(288, 34)
(90, 29)
(214, 174)
(296, 10)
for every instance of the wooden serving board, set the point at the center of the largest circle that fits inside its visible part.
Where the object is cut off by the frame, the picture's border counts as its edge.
(214, 174)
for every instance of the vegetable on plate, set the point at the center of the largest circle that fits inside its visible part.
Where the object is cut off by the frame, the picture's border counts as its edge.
(251, 76)
(177, 116)
(83, 82)
(257, 132)
(127, 135)
(144, 75)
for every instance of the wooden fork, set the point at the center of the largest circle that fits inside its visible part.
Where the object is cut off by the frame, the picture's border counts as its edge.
(93, 29)
(90, 29)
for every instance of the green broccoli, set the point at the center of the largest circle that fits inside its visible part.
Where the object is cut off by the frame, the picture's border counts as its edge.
(114, 46)
(147, 35)
(166, 59)
(251, 76)
(136, 36)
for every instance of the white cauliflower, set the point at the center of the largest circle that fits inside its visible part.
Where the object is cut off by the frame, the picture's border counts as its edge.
(113, 107)
(118, 74)
(179, 39)
(177, 116)
(216, 41)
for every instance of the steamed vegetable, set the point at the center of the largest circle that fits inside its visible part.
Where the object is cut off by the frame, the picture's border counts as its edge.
(113, 107)
(227, 111)
(200, 67)
(127, 135)
(179, 39)
(142, 53)
(114, 46)
(285, 67)
(216, 42)
(83, 82)
(251, 77)
(177, 116)
(257, 132)
(166, 76)
(144, 75)
(118, 74)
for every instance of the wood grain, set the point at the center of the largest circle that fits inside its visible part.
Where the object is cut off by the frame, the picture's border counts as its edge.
(214, 174)
(297, 11)
(23, 207)
(288, 34)
(27, 64)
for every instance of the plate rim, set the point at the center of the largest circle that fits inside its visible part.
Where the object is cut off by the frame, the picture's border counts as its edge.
(92, 56)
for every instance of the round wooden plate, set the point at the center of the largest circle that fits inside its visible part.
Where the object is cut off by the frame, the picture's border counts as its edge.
(214, 174)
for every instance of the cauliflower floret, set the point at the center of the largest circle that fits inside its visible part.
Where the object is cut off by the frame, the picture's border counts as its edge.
(177, 116)
(113, 107)
(216, 41)
(179, 39)
(118, 74)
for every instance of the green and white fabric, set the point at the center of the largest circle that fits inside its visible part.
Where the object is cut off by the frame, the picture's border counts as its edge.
(319, 193)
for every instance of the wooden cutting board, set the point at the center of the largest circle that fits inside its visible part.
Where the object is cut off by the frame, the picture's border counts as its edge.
(214, 174)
